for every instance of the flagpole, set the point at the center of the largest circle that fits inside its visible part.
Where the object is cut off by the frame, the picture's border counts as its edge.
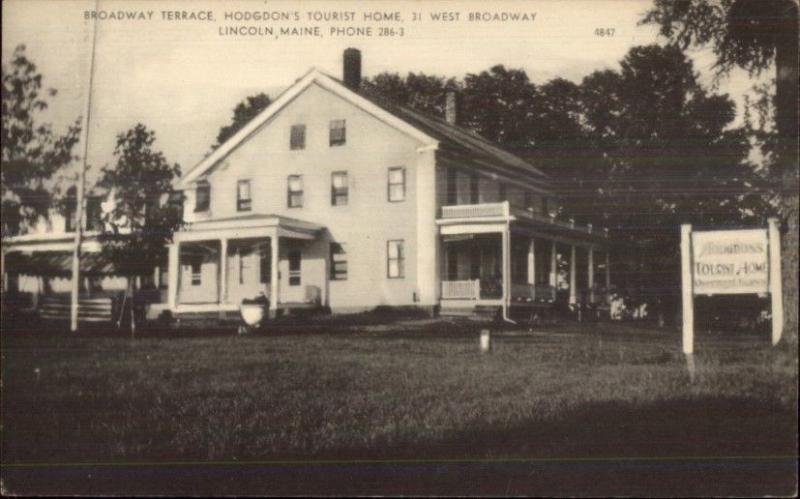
(76, 253)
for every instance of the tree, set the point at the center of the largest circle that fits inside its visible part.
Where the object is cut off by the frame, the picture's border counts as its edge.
(242, 114)
(142, 222)
(500, 105)
(661, 153)
(417, 90)
(753, 34)
(31, 151)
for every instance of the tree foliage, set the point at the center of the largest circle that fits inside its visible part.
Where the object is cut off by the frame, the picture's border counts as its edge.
(142, 222)
(640, 149)
(754, 34)
(31, 150)
(742, 33)
(242, 114)
(418, 90)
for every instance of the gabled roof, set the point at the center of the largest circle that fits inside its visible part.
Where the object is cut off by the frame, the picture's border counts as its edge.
(458, 145)
(455, 145)
(314, 76)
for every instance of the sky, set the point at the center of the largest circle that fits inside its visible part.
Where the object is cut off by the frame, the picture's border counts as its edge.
(181, 77)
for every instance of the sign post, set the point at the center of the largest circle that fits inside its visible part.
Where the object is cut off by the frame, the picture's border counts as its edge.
(686, 289)
(730, 262)
(775, 285)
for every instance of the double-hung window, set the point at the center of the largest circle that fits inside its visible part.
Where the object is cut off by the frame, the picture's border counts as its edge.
(395, 259)
(338, 262)
(338, 133)
(202, 199)
(397, 184)
(295, 257)
(339, 188)
(243, 199)
(295, 191)
(197, 275)
(297, 138)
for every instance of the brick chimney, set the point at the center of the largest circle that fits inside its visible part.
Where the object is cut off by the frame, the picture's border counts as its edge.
(451, 107)
(351, 71)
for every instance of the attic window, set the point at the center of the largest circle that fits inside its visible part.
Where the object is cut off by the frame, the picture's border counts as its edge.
(297, 140)
(202, 197)
(338, 133)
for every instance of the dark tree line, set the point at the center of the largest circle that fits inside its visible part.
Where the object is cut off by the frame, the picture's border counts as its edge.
(639, 150)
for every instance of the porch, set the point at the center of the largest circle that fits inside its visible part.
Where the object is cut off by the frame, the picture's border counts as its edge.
(214, 265)
(495, 256)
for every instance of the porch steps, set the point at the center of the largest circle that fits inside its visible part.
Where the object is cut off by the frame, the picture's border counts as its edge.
(56, 308)
(481, 312)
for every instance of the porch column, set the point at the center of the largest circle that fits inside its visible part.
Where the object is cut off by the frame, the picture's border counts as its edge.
(608, 270)
(274, 277)
(553, 269)
(173, 269)
(531, 261)
(506, 266)
(590, 279)
(572, 291)
(223, 270)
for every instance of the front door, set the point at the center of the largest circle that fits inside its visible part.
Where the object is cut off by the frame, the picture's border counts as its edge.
(292, 288)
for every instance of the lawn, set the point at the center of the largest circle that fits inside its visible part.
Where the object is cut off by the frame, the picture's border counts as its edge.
(404, 408)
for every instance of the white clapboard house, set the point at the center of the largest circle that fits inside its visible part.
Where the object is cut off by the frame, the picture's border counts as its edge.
(333, 197)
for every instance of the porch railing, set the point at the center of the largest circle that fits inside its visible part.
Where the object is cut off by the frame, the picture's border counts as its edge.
(461, 290)
(540, 293)
(475, 210)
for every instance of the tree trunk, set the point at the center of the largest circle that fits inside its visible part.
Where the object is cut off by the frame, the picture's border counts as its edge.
(787, 161)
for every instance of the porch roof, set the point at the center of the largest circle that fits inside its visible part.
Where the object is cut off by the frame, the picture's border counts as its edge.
(57, 263)
(251, 225)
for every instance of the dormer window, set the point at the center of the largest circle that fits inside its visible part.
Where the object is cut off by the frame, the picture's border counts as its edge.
(202, 197)
(243, 200)
(338, 133)
(297, 140)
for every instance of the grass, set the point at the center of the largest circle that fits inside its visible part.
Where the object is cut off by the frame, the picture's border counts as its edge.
(404, 393)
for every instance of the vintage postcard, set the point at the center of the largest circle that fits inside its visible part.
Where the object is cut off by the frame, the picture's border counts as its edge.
(401, 247)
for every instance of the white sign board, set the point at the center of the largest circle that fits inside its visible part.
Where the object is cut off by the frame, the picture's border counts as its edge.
(729, 262)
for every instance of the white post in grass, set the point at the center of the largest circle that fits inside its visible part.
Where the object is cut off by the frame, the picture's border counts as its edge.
(486, 341)
(775, 284)
(687, 291)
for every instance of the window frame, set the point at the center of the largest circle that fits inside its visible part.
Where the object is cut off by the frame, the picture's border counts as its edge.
(336, 249)
(295, 277)
(336, 141)
(389, 184)
(289, 192)
(196, 278)
(301, 145)
(205, 186)
(337, 195)
(400, 259)
(244, 204)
